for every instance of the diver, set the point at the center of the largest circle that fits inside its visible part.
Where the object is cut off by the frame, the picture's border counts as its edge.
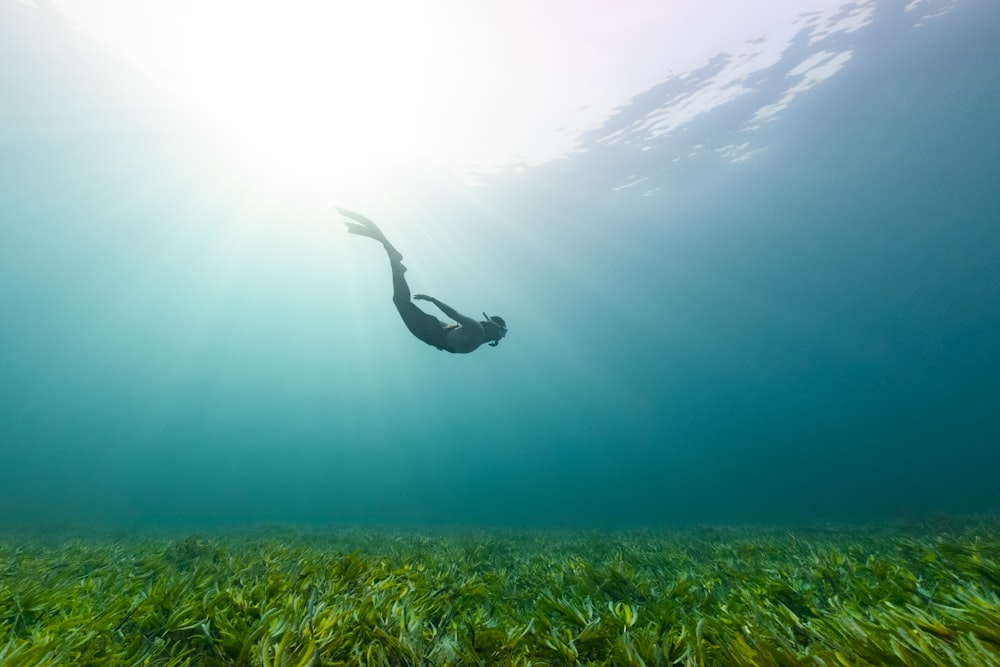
(461, 338)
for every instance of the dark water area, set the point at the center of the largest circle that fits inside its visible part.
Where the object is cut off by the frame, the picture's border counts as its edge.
(806, 336)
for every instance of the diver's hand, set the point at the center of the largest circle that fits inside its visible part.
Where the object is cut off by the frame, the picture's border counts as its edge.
(423, 297)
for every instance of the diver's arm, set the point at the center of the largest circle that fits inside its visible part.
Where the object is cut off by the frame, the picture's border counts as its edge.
(449, 311)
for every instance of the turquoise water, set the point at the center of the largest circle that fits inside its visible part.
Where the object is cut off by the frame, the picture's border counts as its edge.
(807, 335)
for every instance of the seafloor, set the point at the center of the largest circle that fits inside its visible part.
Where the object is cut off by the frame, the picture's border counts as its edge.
(903, 594)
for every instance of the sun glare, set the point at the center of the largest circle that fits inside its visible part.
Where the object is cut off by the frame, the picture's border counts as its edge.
(301, 94)
(298, 105)
(329, 95)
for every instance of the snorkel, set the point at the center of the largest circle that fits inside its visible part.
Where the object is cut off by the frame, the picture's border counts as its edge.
(498, 322)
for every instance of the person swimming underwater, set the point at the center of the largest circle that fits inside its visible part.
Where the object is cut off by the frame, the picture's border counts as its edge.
(465, 336)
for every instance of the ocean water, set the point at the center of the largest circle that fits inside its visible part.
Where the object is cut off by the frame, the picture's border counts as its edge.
(708, 323)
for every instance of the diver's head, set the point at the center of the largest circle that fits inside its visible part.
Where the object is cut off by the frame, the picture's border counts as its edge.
(495, 328)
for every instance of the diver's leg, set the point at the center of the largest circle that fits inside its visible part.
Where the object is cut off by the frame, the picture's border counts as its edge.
(400, 289)
(424, 326)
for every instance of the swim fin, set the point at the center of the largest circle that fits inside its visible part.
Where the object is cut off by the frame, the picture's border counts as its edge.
(365, 227)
